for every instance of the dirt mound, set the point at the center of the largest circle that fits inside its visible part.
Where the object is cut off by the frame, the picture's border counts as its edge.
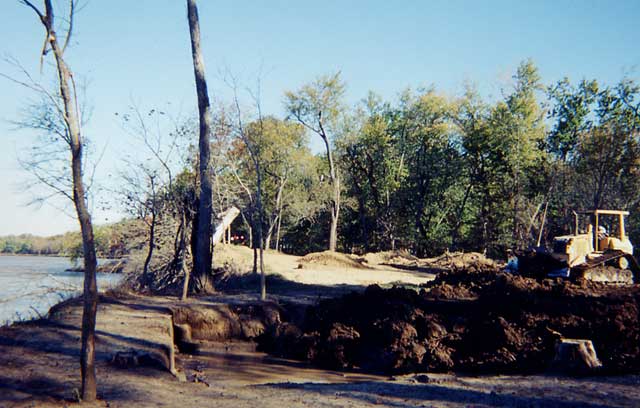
(331, 258)
(469, 261)
(477, 321)
(222, 322)
(394, 257)
(462, 260)
(238, 257)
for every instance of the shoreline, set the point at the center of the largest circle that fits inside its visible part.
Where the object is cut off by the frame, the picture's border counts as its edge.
(36, 255)
(54, 256)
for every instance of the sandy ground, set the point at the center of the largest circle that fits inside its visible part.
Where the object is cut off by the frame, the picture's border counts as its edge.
(288, 266)
(39, 364)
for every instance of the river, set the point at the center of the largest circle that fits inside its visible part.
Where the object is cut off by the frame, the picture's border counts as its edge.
(30, 285)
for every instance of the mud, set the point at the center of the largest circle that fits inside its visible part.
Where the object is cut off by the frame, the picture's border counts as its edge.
(470, 319)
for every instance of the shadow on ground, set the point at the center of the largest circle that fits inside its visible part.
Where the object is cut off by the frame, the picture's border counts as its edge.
(421, 394)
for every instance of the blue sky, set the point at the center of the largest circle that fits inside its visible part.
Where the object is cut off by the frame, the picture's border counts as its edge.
(140, 50)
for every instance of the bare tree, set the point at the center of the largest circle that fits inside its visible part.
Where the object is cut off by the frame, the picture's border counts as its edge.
(147, 181)
(252, 136)
(202, 256)
(65, 103)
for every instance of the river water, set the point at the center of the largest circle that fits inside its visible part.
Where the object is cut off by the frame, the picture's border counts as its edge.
(30, 285)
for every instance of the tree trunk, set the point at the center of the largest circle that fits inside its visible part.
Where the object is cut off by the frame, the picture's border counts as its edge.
(147, 261)
(335, 215)
(202, 256)
(152, 230)
(90, 293)
(263, 284)
(183, 250)
(274, 221)
(335, 183)
(255, 259)
(278, 229)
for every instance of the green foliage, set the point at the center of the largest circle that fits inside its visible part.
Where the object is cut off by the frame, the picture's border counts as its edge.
(112, 241)
(321, 96)
(426, 172)
(291, 191)
(595, 138)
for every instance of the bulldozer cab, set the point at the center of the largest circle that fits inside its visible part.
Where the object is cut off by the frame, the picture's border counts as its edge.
(607, 230)
(595, 232)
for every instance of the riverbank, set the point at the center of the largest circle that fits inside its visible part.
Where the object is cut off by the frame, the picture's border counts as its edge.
(30, 285)
(161, 351)
(40, 368)
(104, 266)
(36, 255)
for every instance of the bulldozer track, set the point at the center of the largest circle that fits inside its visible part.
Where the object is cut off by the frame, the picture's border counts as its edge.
(608, 257)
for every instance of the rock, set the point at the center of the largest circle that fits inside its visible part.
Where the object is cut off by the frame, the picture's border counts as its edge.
(433, 378)
(134, 358)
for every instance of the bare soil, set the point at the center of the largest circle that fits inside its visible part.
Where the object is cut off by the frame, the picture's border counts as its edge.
(481, 322)
(470, 316)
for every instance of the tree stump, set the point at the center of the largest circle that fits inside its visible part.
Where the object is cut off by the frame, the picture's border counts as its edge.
(575, 356)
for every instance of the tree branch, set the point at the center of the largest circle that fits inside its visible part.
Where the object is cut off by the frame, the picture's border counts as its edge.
(72, 6)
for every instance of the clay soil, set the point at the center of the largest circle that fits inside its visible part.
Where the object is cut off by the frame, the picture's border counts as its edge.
(474, 336)
(477, 320)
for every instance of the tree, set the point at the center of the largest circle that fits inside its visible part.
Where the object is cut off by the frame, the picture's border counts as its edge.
(251, 137)
(518, 133)
(318, 107)
(282, 150)
(202, 256)
(432, 192)
(595, 143)
(373, 172)
(65, 103)
(503, 149)
(148, 178)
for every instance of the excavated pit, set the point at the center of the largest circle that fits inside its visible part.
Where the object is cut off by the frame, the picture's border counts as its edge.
(473, 319)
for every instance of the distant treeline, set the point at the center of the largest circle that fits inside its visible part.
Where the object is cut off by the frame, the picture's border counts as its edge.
(110, 242)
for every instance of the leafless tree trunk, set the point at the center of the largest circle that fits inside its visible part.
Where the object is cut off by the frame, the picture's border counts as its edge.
(202, 256)
(274, 220)
(334, 178)
(184, 250)
(263, 283)
(152, 230)
(73, 137)
(278, 229)
(254, 153)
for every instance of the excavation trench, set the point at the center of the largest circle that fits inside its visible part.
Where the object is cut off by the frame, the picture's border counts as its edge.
(468, 320)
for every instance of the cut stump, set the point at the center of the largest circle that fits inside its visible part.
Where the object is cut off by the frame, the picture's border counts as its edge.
(577, 356)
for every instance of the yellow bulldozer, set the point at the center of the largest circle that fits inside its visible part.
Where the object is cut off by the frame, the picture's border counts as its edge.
(599, 242)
